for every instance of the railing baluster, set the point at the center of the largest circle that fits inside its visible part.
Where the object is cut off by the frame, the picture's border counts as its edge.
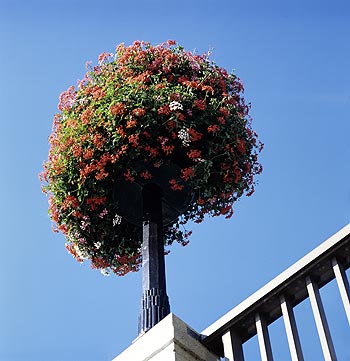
(263, 338)
(279, 297)
(291, 330)
(321, 321)
(343, 285)
(233, 350)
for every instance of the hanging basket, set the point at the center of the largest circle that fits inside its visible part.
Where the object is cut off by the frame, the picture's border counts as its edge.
(156, 114)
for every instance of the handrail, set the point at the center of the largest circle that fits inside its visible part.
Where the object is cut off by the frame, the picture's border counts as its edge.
(278, 298)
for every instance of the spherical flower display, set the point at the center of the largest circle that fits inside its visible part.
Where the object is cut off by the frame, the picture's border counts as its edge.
(156, 105)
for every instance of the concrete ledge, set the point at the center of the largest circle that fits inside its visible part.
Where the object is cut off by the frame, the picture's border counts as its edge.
(170, 340)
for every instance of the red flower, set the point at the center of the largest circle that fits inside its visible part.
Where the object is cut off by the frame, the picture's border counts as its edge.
(120, 131)
(238, 175)
(94, 202)
(213, 128)
(99, 262)
(146, 175)
(248, 167)
(164, 110)
(225, 112)
(117, 109)
(187, 173)
(159, 86)
(194, 154)
(70, 202)
(139, 112)
(194, 134)
(98, 93)
(142, 78)
(191, 84)
(76, 150)
(168, 149)
(250, 193)
(200, 201)
(180, 116)
(72, 123)
(128, 176)
(208, 88)
(228, 211)
(103, 56)
(222, 120)
(98, 141)
(73, 252)
(131, 123)
(227, 178)
(88, 153)
(152, 151)
(241, 146)
(86, 116)
(77, 214)
(86, 170)
(134, 140)
(175, 186)
(199, 104)
(67, 98)
(171, 124)
(182, 79)
(101, 175)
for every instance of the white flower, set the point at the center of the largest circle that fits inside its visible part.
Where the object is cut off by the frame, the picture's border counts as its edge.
(103, 213)
(80, 252)
(84, 225)
(117, 220)
(105, 272)
(83, 101)
(98, 245)
(184, 136)
(175, 106)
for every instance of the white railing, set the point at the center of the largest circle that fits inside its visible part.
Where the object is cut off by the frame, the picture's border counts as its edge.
(277, 299)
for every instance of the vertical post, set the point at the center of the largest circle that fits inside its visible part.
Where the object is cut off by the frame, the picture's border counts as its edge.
(321, 321)
(343, 285)
(263, 338)
(291, 330)
(232, 343)
(155, 303)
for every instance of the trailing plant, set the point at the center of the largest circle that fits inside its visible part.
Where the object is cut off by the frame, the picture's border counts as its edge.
(156, 104)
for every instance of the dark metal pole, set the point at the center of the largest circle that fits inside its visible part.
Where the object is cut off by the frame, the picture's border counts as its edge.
(155, 302)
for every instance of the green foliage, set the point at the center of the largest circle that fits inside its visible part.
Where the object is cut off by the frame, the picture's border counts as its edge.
(159, 104)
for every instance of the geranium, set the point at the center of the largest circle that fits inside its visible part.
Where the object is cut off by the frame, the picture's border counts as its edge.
(159, 104)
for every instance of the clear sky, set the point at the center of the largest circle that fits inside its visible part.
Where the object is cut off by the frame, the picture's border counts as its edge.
(293, 57)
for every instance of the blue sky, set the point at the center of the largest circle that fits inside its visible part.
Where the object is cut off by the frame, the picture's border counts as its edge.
(293, 57)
